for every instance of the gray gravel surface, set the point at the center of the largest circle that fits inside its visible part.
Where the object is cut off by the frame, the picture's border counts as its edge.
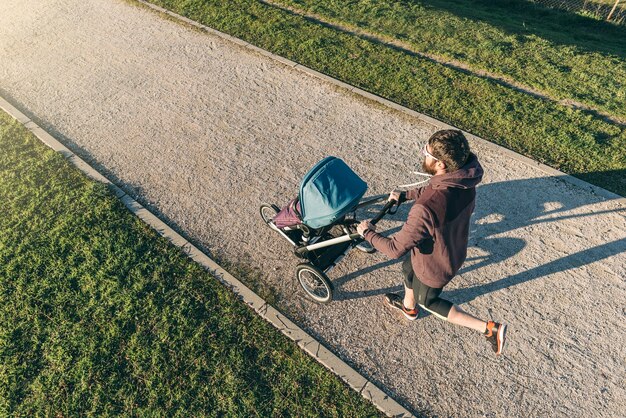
(202, 131)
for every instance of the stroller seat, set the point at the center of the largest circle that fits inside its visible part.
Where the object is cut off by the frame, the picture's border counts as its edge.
(328, 192)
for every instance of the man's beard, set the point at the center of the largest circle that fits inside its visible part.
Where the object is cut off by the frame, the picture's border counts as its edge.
(430, 169)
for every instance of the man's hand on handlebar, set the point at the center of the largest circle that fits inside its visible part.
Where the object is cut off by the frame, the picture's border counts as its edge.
(394, 195)
(364, 226)
(398, 196)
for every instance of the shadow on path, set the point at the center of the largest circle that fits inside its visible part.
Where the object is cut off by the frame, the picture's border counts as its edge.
(569, 262)
(502, 208)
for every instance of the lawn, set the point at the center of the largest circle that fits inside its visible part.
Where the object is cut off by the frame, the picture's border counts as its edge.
(562, 55)
(99, 316)
(575, 141)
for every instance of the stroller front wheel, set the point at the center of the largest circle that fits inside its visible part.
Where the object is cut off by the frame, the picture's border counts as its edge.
(315, 283)
(268, 212)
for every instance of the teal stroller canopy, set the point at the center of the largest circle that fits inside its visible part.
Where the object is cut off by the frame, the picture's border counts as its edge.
(329, 191)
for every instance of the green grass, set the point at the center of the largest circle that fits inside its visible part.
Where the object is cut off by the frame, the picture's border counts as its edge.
(608, 2)
(554, 52)
(570, 140)
(99, 316)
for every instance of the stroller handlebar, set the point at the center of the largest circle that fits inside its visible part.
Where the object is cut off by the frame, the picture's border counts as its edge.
(383, 211)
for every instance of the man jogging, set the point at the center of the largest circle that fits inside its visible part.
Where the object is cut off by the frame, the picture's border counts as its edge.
(436, 233)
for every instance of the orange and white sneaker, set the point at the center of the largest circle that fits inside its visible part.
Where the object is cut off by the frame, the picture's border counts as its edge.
(496, 335)
(395, 301)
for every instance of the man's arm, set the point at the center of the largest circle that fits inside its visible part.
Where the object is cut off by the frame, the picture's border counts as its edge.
(413, 194)
(402, 197)
(419, 226)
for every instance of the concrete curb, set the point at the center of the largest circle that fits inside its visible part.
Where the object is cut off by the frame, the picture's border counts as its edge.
(425, 118)
(306, 342)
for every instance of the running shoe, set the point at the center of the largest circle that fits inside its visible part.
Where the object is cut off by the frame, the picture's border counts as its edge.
(496, 335)
(395, 301)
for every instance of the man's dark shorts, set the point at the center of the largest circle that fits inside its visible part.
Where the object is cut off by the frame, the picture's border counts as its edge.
(427, 297)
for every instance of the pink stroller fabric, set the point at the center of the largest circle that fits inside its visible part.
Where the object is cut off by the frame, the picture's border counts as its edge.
(289, 215)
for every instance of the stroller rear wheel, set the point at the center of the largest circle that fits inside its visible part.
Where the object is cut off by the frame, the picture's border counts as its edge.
(315, 283)
(268, 212)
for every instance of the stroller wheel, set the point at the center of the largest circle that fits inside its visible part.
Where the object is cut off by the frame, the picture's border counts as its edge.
(268, 212)
(315, 283)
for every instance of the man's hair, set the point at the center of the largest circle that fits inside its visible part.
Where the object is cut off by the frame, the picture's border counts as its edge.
(451, 147)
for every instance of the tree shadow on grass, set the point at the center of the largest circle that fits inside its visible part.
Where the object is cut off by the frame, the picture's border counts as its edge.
(502, 208)
(526, 18)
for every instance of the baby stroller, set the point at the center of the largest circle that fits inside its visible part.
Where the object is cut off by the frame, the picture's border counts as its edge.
(321, 222)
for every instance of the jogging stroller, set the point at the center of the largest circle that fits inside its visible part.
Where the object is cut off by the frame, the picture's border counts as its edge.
(321, 222)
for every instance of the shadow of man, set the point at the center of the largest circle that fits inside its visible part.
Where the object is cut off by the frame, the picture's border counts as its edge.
(503, 208)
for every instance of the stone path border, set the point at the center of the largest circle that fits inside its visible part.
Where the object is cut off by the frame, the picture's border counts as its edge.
(432, 121)
(356, 381)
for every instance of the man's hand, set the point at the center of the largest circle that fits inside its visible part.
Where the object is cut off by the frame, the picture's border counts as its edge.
(364, 226)
(395, 195)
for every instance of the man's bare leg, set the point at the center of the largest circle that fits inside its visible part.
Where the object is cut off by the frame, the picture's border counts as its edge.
(409, 298)
(458, 316)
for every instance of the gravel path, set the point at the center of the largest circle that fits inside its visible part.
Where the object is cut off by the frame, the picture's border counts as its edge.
(202, 131)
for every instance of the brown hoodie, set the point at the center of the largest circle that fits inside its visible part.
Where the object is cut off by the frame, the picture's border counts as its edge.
(437, 228)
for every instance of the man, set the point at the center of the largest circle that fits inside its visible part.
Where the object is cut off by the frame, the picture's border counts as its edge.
(436, 234)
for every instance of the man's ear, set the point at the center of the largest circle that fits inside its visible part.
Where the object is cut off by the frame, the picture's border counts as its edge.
(441, 165)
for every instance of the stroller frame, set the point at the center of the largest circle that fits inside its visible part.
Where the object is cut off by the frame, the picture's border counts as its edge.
(319, 249)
